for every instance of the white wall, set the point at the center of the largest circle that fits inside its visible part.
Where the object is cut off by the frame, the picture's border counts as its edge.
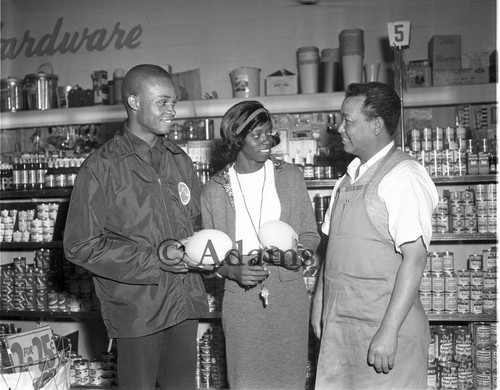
(217, 36)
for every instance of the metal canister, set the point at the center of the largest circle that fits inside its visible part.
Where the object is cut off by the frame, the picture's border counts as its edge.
(41, 90)
(13, 97)
(443, 336)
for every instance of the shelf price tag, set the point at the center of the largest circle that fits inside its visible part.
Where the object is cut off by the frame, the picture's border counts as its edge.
(35, 349)
(399, 33)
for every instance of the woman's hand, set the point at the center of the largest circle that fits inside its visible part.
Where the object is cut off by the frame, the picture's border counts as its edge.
(238, 269)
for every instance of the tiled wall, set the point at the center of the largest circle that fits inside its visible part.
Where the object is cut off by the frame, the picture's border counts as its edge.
(217, 36)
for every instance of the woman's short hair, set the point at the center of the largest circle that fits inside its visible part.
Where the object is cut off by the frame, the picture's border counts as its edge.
(237, 123)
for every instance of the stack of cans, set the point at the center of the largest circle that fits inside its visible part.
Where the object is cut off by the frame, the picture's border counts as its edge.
(462, 357)
(211, 363)
(467, 212)
(438, 287)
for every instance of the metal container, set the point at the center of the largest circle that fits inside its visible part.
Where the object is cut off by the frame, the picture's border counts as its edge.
(41, 90)
(13, 97)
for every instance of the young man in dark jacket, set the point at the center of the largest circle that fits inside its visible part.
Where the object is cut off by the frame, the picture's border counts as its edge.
(131, 194)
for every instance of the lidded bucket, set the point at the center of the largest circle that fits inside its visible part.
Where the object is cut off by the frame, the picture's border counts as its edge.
(41, 89)
(12, 95)
(245, 82)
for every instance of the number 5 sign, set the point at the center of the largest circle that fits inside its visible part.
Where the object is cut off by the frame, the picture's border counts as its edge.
(399, 33)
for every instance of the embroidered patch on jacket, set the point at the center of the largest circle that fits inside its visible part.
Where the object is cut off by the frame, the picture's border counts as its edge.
(184, 193)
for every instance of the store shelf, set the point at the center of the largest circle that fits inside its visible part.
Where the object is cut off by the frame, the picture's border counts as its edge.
(462, 317)
(467, 179)
(45, 314)
(464, 237)
(211, 108)
(34, 194)
(30, 245)
(320, 183)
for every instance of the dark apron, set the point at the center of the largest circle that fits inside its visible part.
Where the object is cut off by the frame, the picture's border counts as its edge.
(359, 277)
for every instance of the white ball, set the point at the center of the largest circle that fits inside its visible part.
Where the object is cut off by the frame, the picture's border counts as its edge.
(208, 246)
(278, 234)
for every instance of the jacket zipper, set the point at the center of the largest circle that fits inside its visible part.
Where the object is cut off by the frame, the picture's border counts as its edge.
(166, 212)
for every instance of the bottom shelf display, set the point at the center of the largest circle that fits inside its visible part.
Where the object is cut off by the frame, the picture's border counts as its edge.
(463, 357)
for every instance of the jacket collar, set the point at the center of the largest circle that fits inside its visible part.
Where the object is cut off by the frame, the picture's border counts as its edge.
(122, 147)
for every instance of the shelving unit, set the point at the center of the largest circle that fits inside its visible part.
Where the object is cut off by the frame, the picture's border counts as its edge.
(212, 108)
(215, 108)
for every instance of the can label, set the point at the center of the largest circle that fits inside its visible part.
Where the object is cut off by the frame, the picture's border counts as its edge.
(448, 261)
(426, 283)
(465, 376)
(483, 358)
(476, 306)
(437, 282)
(476, 292)
(426, 301)
(463, 306)
(463, 277)
(476, 262)
(450, 282)
(448, 372)
(444, 345)
(463, 346)
(437, 303)
(450, 303)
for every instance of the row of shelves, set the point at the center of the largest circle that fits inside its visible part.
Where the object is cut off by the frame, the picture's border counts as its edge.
(213, 108)
(311, 184)
(436, 238)
(212, 316)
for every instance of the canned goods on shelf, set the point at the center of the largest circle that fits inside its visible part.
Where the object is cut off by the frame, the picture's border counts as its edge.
(437, 303)
(450, 282)
(436, 261)
(426, 301)
(437, 282)
(448, 374)
(463, 277)
(448, 261)
(450, 303)
(426, 283)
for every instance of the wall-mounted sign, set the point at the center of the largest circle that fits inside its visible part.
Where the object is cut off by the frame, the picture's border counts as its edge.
(69, 42)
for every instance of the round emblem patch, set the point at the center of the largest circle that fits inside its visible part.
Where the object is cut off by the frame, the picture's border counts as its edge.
(184, 193)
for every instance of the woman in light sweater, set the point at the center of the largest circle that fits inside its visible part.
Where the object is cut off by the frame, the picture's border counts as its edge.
(265, 312)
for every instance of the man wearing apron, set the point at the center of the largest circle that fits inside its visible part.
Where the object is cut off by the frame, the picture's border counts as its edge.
(367, 313)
